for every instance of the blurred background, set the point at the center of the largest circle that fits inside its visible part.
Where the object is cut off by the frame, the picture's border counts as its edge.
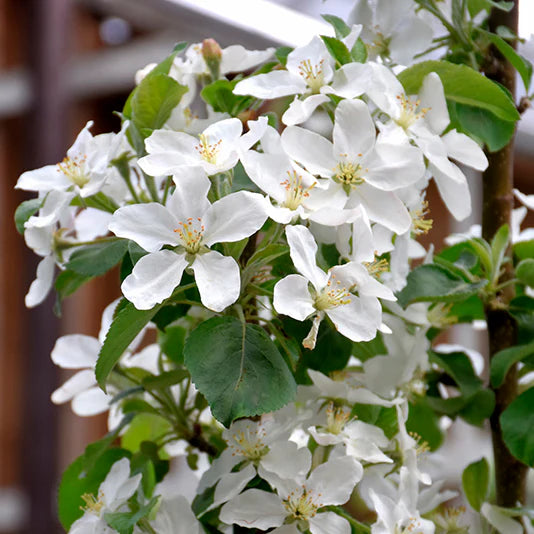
(62, 63)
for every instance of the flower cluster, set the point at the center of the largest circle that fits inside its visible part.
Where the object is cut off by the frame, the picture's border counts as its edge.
(271, 255)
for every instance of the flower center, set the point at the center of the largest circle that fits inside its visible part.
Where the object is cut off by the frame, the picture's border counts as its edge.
(313, 74)
(191, 233)
(349, 174)
(420, 225)
(74, 170)
(380, 44)
(409, 111)
(449, 520)
(336, 418)
(409, 528)
(92, 504)
(377, 267)
(249, 443)
(295, 191)
(439, 317)
(332, 295)
(208, 151)
(301, 503)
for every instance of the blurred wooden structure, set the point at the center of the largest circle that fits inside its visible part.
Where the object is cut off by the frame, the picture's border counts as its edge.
(55, 74)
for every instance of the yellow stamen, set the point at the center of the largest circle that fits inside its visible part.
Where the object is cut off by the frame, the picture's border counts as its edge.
(301, 504)
(438, 316)
(92, 504)
(420, 225)
(410, 111)
(206, 150)
(249, 443)
(349, 174)
(313, 74)
(74, 169)
(336, 418)
(295, 191)
(191, 233)
(332, 296)
(377, 267)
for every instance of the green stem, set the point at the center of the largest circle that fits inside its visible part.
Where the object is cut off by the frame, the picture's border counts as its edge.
(166, 191)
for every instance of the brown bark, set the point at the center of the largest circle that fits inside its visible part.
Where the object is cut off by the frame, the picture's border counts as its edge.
(510, 473)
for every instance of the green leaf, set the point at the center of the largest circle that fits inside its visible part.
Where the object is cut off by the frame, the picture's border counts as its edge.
(476, 6)
(339, 25)
(504, 359)
(144, 427)
(517, 425)
(67, 282)
(432, 283)
(522, 310)
(475, 482)
(128, 322)
(482, 125)
(25, 210)
(172, 342)
(77, 481)
(94, 260)
(524, 249)
(164, 380)
(238, 369)
(499, 244)
(423, 421)
(124, 522)
(332, 350)
(478, 407)
(359, 51)
(459, 367)
(153, 101)
(525, 271)
(337, 49)
(462, 85)
(220, 96)
(521, 65)
(281, 54)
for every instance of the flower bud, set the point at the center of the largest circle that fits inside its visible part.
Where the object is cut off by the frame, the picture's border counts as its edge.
(212, 54)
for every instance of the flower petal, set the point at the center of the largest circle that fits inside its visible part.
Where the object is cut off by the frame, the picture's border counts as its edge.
(42, 284)
(43, 180)
(286, 460)
(463, 149)
(292, 297)
(301, 110)
(349, 139)
(80, 381)
(303, 250)
(271, 85)
(329, 523)
(232, 484)
(76, 351)
(254, 509)
(154, 278)
(335, 479)
(310, 149)
(359, 319)
(432, 98)
(190, 198)
(351, 80)
(150, 225)
(234, 217)
(91, 402)
(218, 280)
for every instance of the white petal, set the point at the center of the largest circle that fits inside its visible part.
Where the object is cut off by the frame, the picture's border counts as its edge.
(312, 150)
(52, 209)
(329, 523)
(43, 180)
(119, 486)
(300, 111)
(254, 509)
(313, 53)
(234, 217)
(303, 249)
(218, 280)
(454, 191)
(350, 139)
(236, 58)
(526, 200)
(154, 278)
(463, 149)
(176, 517)
(335, 479)
(150, 225)
(40, 240)
(42, 284)
(432, 98)
(351, 80)
(503, 523)
(286, 460)
(92, 223)
(232, 484)
(359, 319)
(77, 383)
(75, 351)
(411, 37)
(384, 89)
(271, 85)
(383, 207)
(220, 466)
(190, 196)
(292, 297)
(91, 402)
